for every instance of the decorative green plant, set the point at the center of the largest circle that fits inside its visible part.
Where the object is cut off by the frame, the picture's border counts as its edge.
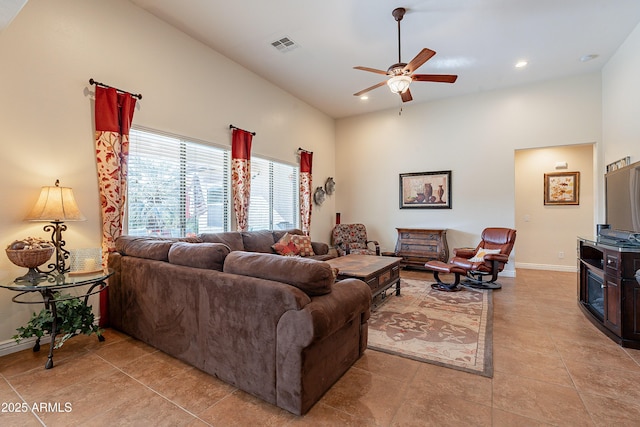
(73, 318)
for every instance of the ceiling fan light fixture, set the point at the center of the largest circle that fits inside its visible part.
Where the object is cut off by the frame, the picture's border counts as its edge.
(399, 84)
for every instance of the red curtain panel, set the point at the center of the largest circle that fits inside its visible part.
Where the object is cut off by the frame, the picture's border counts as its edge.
(241, 176)
(306, 160)
(113, 117)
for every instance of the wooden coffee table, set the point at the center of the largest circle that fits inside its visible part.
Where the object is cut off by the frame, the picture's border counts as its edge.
(379, 272)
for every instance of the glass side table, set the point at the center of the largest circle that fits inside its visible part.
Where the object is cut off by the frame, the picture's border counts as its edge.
(43, 290)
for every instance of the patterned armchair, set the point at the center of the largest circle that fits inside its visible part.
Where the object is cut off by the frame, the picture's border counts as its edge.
(352, 239)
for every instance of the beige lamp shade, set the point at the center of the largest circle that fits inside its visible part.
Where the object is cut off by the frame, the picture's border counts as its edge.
(56, 204)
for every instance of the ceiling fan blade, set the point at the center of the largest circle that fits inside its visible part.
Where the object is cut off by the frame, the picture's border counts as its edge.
(406, 96)
(372, 70)
(370, 88)
(439, 78)
(422, 57)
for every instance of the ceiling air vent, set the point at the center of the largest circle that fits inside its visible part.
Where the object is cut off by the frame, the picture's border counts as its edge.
(285, 44)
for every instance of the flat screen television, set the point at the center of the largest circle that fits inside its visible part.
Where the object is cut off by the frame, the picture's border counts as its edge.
(622, 189)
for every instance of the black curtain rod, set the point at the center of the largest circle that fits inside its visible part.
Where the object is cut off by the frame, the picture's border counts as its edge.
(135, 95)
(235, 127)
(306, 151)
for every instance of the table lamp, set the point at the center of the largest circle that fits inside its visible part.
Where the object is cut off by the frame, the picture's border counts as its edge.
(56, 205)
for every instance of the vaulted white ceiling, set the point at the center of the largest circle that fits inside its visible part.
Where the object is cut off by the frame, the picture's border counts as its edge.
(479, 40)
(8, 10)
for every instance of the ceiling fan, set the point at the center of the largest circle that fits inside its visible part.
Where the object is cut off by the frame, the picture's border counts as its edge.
(401, 74)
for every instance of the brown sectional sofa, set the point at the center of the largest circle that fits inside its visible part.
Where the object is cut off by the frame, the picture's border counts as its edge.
(276, 327)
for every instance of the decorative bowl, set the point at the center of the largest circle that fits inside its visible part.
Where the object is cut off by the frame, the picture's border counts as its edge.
(30, 258)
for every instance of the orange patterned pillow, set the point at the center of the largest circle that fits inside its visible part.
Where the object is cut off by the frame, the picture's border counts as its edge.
(303, 243)
(285, 246)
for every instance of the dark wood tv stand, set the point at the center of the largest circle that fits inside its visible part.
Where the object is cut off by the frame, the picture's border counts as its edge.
(608, 292)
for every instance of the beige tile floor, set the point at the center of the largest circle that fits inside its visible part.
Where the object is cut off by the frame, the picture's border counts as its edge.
(552, 367)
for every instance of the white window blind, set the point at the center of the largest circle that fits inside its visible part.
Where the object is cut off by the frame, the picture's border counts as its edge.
(274, 195)
(176, 188)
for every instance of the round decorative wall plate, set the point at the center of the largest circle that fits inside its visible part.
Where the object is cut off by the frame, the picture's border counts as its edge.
(330, 186)
(319, 196)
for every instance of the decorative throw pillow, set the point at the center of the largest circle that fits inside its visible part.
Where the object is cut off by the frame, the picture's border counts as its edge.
(303, 243)
(285, 246)
(479, 256)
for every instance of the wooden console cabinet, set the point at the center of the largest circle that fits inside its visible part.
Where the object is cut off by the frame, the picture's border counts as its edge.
(609, 293)
(416, 246)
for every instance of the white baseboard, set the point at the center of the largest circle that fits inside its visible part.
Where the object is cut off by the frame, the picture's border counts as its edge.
(508, 273)
(550, 267)
(10, 346)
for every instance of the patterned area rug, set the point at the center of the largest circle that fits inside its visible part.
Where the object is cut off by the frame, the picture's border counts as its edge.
(451, 329)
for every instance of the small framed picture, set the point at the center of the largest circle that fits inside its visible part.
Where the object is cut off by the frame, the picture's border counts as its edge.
(425, 190)
(562, 188)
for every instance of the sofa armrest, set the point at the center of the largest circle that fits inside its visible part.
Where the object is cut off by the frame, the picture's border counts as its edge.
(317, 344)
(320, 248)
(325, 314)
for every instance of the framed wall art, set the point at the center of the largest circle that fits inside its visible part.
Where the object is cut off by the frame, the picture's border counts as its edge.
(562, 188)
(425, 190)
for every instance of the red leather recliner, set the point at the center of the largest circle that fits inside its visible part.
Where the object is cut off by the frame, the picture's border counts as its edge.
(481, 271)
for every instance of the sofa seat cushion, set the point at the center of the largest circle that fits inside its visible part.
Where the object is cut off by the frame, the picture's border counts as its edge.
(311, 276)
(199, 255)
(324, 257)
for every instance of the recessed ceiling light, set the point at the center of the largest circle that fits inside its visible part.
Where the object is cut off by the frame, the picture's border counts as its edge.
(521, 64)
(587, 58)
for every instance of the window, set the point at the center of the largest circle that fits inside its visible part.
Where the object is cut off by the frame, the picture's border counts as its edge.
(176, 188)
(180, 188)
(274, 195)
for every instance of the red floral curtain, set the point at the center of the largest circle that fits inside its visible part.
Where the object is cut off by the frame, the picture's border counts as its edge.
(306, 160)
(113, 116)
(241, 176)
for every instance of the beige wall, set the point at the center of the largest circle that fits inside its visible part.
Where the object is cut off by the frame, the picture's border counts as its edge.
(50, 51)
(621, 102)
(52, 48)
(473, 136)
(621, 107)
(547, 233)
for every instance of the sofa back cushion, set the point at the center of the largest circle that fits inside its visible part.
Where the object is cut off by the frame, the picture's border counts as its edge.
(232, 239)
(258, 241)
(311, 276)
(144, 247)
(199, 255)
